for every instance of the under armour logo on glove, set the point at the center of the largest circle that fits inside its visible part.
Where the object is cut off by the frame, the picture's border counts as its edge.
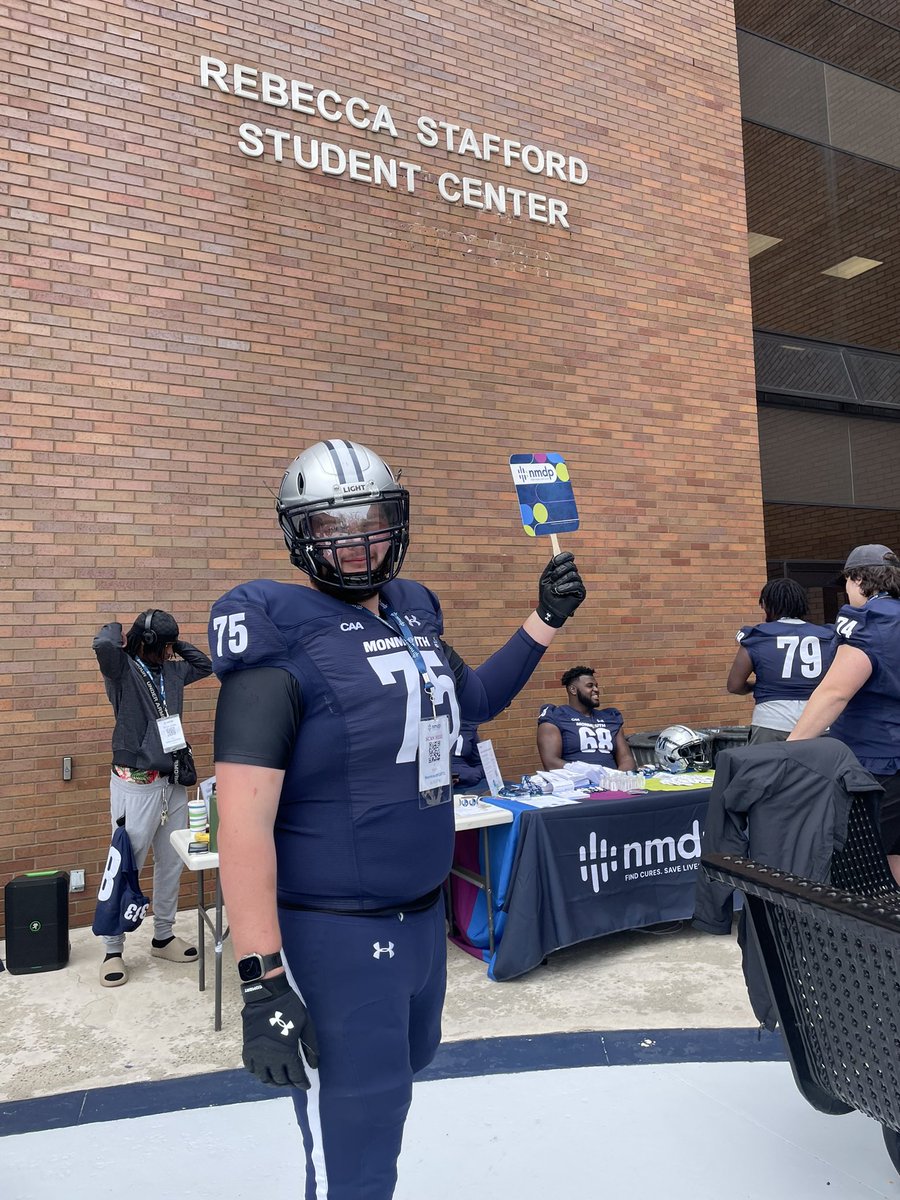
(278, 1033)
(379, 949)
(286, 1026)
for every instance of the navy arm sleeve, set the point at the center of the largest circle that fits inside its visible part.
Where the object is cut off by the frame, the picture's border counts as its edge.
(485, 691)
(257, 717)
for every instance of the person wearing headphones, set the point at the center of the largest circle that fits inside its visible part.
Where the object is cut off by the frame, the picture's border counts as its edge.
(145, 673)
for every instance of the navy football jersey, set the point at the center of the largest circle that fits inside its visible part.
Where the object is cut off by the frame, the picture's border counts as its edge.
(587, 738)
(350, 831)
(121, 905)
(789, 657)
(870, 723)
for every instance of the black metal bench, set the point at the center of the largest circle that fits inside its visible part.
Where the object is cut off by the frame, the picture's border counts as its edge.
(832, 961)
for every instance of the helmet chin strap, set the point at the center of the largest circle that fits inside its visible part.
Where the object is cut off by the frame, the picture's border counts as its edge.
(349, 595)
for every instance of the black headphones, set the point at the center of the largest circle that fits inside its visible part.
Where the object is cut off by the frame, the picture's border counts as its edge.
(148, 634)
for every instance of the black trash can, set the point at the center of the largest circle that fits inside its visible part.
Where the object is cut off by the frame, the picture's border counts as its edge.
(643, 747)
(726, 737)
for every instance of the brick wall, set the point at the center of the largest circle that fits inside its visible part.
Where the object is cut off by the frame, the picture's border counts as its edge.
(184, 318)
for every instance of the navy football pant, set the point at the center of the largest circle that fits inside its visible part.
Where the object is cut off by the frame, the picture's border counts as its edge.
(374, 987)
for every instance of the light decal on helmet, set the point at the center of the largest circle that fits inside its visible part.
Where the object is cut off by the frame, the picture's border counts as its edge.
(354, 489)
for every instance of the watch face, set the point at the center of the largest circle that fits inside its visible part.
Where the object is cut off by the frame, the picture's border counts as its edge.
(250, 968)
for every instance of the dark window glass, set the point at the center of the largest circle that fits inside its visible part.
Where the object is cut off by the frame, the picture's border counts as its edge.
(800, 95)
(818, 458)
(782, 88)
(862, 36)
(826, 207)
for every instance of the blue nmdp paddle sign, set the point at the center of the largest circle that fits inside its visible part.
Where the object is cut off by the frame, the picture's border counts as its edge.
(544, 491)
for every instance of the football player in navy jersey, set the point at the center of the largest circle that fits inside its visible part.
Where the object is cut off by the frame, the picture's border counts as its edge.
(581, 731)
(858, 701)
(339, 704)
(787, 656)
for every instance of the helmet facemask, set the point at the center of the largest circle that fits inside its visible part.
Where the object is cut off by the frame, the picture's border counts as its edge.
(347, 547)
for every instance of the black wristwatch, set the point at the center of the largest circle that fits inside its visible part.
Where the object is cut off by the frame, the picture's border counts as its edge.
(254, 966)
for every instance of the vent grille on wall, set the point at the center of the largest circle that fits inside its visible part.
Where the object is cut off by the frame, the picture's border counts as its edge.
(794, 367)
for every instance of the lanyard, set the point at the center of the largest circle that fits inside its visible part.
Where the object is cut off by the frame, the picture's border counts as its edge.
(160, 687)
(398, 625)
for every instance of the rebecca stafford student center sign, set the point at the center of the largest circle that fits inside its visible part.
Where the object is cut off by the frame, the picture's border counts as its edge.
(311, 153)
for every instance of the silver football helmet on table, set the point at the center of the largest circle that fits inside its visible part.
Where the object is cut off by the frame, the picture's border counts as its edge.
(679, 748)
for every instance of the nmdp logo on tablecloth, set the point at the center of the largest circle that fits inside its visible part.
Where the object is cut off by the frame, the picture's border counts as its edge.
(639, 860)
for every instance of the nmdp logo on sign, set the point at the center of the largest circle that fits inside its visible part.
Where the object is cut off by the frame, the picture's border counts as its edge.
(544, 492)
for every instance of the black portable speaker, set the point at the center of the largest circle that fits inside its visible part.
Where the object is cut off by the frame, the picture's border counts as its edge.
(37, 922)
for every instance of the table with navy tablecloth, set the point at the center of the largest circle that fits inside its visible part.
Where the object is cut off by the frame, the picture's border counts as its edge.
(578, 871)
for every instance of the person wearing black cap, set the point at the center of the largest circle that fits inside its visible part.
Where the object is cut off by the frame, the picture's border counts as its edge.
(858, 701)
(145, 685)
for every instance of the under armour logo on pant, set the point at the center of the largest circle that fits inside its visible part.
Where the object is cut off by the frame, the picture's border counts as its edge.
(286, 1026)
(379, 949)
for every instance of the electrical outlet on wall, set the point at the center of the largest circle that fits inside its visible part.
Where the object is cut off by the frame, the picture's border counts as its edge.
(76, 881)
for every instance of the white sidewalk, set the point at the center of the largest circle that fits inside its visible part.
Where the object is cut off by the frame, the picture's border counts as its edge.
(726, 1131)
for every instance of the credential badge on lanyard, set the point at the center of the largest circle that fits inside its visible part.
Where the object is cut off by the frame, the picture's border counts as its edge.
(434, 733)
(171, 733)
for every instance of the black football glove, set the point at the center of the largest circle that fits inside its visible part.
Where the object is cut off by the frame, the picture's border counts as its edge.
(560, 590)
(278, 1033)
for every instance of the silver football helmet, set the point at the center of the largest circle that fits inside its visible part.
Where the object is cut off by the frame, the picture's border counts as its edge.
(679, 748)
(344, 517)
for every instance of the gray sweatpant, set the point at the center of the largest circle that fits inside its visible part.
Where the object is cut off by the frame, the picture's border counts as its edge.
(142, 804)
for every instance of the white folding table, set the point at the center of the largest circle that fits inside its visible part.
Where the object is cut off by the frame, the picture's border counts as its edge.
(200, 864)
(480, 816)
